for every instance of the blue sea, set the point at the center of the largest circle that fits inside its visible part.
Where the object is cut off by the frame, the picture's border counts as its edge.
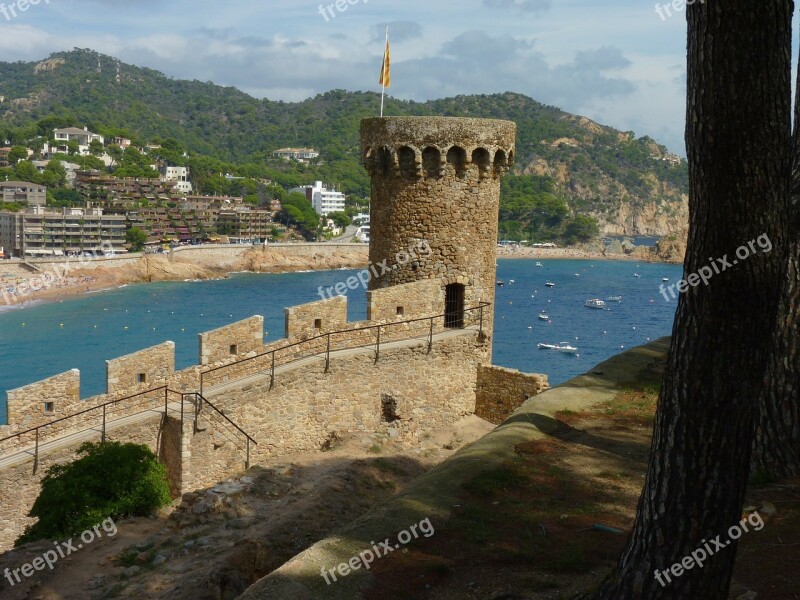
(84, 331)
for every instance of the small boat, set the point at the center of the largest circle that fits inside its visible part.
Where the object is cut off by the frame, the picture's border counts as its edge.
(594, 303)
(615, 298)
(543, 316)
(538, 264)
(511, 281)
(500, 283)
(550, 284)
(665, 279)
(636, 275)
(562, 347)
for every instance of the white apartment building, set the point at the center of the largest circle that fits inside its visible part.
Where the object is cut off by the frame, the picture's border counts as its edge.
(323, 200)
(179, 176)
(299, 154)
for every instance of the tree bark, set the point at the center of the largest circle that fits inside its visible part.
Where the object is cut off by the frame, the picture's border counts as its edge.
(738, 141)
(777, 445)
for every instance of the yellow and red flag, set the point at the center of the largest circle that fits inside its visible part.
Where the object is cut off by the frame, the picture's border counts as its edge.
(386, 79)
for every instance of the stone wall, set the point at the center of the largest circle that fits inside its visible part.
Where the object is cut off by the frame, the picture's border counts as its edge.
(315, 318)
(409, 301)
(28, 406)
(141, 370)
(20, 486)
(232, 341)
(501, 391)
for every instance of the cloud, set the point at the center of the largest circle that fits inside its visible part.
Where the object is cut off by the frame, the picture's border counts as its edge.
(399, 31)
(524, 5)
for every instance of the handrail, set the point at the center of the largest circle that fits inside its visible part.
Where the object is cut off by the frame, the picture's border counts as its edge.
(83, 412)
(247, 436)
(480, 307)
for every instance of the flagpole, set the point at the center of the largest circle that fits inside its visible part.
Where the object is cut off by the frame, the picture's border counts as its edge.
(383, 85)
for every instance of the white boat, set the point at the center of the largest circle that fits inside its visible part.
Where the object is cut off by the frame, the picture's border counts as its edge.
(636, 275)
(511, 281)
(594, 303)
(562, 347)
(543, 316)
(550, 284)
(665, 279)
(615, 298)
(500, 283)
(538, 264)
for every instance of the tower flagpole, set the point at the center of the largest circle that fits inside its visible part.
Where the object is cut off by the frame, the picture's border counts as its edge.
(385, 82)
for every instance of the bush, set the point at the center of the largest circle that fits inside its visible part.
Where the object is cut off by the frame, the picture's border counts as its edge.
(108, 480)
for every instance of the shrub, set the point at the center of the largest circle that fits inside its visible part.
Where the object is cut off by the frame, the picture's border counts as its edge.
(107, 480)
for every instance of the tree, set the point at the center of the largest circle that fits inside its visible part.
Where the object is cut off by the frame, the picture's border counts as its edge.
(16, 154)
(73, 147)
(340, 219)
(581, 229)
(136, 238)
(55, 175)
(116, 153)
(96, 148)
(738, 142)
(107, 480)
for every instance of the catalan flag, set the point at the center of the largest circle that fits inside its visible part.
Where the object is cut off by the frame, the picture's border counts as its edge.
(386, 79)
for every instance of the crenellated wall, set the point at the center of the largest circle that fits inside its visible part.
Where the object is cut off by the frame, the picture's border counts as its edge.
(28, 406)
(233, 341)
(308, 320)
(141, 370)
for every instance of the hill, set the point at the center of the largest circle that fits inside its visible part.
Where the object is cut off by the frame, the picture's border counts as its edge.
(566, 164)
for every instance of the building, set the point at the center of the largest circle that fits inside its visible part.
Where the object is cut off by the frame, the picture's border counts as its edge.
(23, 192)
(323, 200)
(121, 142)
(71, 169)
(298, 154)
(115, 191)
(39, 231)
(245, 224)
(179, 176)
(84, 137)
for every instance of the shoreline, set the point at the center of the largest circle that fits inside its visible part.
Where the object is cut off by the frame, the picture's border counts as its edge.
(95, 278)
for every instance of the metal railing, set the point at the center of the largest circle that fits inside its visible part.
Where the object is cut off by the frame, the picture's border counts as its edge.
(297, 355)
(198, 407)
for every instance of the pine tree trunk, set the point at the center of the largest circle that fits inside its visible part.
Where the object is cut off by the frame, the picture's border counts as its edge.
(738, 142)
(777, 445)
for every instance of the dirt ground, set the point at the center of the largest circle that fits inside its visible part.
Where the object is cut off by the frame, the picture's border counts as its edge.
(214, 544)
(553, 521)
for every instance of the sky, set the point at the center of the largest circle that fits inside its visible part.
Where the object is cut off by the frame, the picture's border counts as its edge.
(618, 62)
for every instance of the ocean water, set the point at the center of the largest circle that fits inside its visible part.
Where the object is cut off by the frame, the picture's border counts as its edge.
(84, 331)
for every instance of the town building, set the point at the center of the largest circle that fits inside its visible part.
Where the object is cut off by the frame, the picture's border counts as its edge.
(323, 200)
(179, 176)
(23, 192)
(122, 191)
(71, 169)
(84, 137)
(298, 154)
(245, 225)
(39, 231)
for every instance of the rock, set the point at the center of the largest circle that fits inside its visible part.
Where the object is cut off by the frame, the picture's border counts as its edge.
(748, 595)
(201, 507)
(142, 558)
(159, 559)
(768, 508)
(190, 497)
(132, 571)
(229, 487)
(179, 568)
(247, 480)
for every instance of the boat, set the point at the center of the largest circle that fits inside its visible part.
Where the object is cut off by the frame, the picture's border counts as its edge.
(550, 284)
(636, 275)
(594, 303)
(500, 283)
(562, 347)
(511, 281)
(614, 298)
(543, 316)
(665, 279)
(538, 264)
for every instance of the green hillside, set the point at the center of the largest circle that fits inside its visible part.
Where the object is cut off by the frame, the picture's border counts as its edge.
(566, 165)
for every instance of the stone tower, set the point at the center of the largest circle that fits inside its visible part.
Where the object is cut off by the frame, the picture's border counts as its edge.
(435, 203)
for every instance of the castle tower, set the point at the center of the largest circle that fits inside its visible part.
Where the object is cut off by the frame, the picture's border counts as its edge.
(435, 204)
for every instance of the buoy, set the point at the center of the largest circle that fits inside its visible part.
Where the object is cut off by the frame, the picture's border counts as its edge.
(125, 327)
(60, 324)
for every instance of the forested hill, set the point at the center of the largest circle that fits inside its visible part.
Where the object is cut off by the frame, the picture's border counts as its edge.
(619, 179)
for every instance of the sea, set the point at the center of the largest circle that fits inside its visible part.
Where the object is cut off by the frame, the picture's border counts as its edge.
(84, 331)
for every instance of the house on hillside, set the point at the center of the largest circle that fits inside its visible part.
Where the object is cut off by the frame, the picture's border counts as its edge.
(84, 137)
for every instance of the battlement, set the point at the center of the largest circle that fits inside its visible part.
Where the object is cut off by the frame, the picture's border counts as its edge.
(425, 147)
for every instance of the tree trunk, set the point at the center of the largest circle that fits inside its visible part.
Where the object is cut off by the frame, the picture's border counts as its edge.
(738, 141)
(777, 445)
